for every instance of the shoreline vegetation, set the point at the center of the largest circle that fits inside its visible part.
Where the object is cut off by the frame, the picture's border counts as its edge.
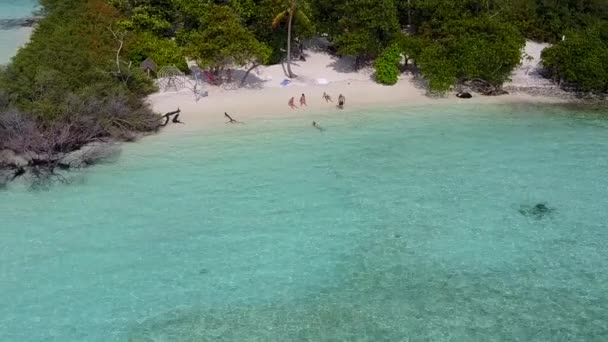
(97, 72)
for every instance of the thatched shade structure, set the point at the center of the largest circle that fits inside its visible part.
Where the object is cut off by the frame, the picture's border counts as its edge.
(148, 65)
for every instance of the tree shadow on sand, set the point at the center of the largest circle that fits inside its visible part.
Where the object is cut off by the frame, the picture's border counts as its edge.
(253, 81)
(345, 65)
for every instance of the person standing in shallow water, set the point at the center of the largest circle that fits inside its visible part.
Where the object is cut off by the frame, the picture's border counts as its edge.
(291, 103)
(341, 101)
(303, 100)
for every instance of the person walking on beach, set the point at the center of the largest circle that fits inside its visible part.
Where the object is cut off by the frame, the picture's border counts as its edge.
(303, 101)
(341, 101)
(291, 103)
(327, 97)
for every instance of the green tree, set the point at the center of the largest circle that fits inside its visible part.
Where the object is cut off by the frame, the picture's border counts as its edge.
(366, 27)
(156, 16)
(224, 41)
(288, 15)
(580, 61)
(387, 65)
(476, 48)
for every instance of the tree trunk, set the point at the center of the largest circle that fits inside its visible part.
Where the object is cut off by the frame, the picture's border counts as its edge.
(247, 73)
(409, 14)
(290, 74)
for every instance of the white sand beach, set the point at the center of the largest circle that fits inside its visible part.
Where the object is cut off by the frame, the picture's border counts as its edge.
(263, 96)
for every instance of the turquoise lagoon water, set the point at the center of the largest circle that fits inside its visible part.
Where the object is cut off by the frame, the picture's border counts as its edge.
(392, 225)
(11, 38)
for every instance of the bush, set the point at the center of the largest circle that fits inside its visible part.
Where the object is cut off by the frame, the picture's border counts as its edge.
(387, 65)
(437, 68)
(465, 49)
(580, 61)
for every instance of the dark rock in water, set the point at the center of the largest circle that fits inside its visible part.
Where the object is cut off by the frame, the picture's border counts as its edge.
(464, 95)
(537, 211)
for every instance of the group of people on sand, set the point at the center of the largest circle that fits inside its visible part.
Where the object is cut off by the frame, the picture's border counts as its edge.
(291, 103)
(341, 101)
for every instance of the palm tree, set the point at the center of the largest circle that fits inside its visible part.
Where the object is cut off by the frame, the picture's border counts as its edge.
(289, 14)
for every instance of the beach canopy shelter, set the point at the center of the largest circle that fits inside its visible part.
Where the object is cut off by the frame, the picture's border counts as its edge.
(148, 65)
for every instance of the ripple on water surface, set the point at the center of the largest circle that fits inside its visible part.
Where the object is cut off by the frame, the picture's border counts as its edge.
(412, 224)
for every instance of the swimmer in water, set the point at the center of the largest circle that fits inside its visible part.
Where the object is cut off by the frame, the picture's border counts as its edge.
(315, 125)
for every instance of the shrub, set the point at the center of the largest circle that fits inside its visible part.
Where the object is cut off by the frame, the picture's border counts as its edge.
(387, 65)
(580, 61)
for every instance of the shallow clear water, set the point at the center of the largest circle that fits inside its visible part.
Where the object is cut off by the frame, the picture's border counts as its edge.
(11, 38)
(393, 225)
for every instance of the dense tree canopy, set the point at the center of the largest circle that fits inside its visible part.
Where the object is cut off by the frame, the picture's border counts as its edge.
(454, 40)
(72, 85)
(480, 48)
(581, 60)
(73, 51)
(224, 41)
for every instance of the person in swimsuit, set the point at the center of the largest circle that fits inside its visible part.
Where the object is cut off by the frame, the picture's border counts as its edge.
(303, 100)
(291, 103)
(327, 97)
(341, 101)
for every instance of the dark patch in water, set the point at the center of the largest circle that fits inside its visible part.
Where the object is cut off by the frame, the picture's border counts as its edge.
(537, 211)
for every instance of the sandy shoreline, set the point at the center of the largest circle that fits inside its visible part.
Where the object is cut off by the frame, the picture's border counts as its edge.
(253, 104)
(263, 96)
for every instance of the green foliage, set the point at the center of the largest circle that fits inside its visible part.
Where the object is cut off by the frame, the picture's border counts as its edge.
(580, 61)
(272, 25)
(437, 68)
(387, 65)
(164, 51)
(366, 27)
(71, 52)
(245, 9)
(157, 16)
(545, 20)
(224, 41)
(481, 47)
